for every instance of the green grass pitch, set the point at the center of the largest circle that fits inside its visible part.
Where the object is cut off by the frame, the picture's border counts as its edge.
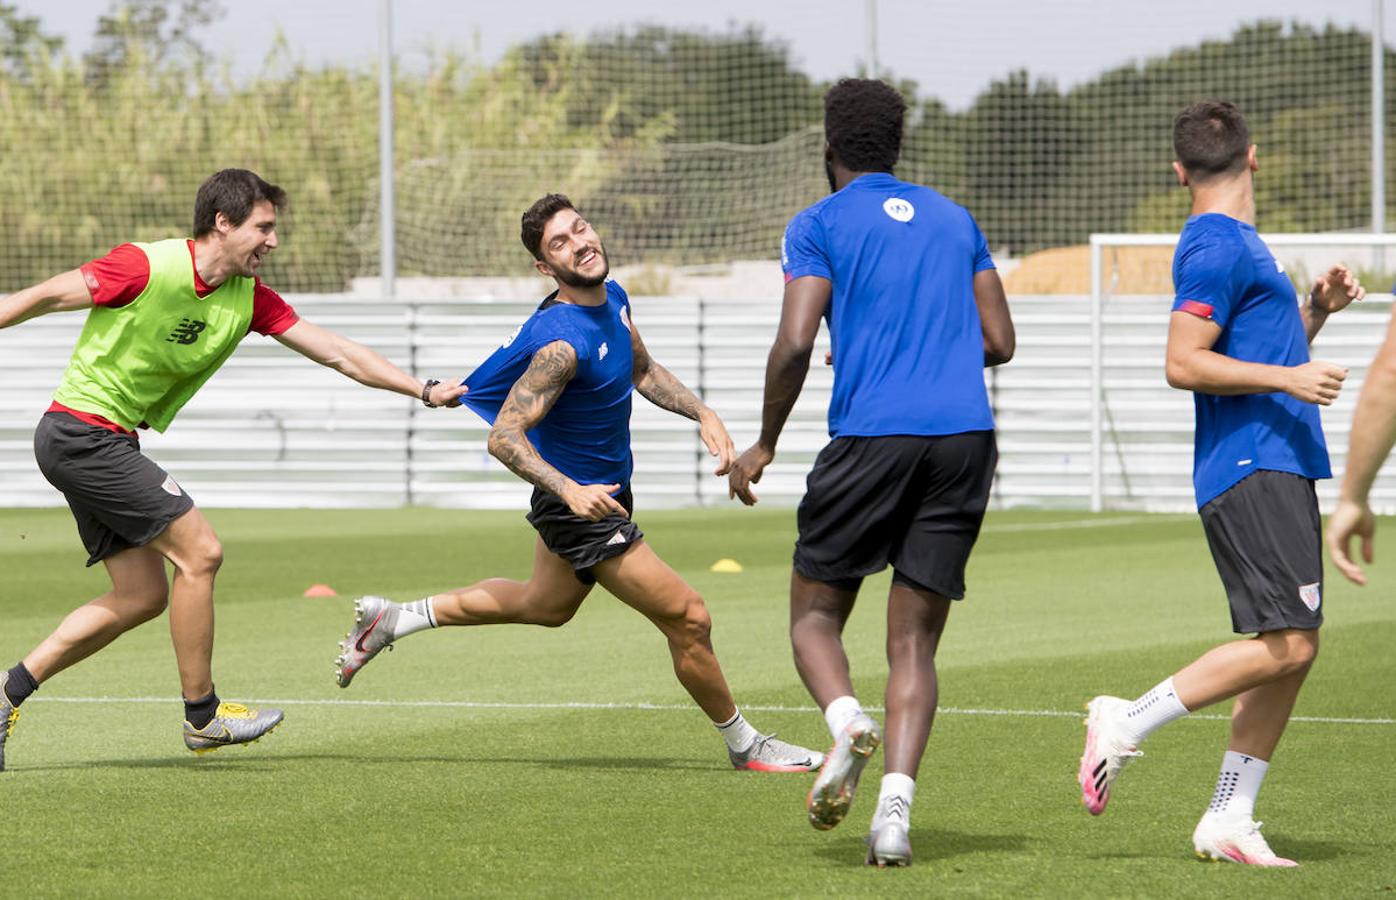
(394, 796)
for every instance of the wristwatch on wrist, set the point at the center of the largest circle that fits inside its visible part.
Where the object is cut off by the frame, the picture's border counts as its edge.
(426, 393)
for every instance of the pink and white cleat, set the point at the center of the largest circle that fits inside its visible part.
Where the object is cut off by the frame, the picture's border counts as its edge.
(1235, 839)
(1108, 749)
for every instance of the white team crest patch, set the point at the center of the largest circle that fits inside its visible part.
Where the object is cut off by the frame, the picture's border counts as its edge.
(510, 339)
(899, 209)
(1309, 594)
(170, 486)
(617, 538)
(604, 350)
(625, 317)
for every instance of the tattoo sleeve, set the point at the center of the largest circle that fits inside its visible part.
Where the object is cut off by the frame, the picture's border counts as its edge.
(528, 402)
(658, 385)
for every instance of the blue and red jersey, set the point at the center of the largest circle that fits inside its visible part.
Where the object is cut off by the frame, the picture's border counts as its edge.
(1222, 271)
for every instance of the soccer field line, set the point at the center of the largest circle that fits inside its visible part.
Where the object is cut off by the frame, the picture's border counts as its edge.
(666, 707)
(1076, 523)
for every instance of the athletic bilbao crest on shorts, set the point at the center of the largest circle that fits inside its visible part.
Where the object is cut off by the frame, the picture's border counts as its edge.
(1309, 594)
(170, 486)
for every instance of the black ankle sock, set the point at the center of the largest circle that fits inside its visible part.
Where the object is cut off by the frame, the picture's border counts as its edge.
(200, 712)
(20, 684)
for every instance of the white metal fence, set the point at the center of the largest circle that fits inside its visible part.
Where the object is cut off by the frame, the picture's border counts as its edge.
(272, 429)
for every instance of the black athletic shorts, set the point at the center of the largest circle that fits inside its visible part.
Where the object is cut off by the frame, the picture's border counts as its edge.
(1267, 541)
(119, 497)
(915, 502)
(583, 544)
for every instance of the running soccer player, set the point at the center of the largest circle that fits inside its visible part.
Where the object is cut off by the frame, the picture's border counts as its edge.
(1370, 440)
(1239, 340)
(916, 311)
(162, 318)
(558, 395)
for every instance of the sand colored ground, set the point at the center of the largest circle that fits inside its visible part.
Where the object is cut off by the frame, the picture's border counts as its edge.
(1067, 270)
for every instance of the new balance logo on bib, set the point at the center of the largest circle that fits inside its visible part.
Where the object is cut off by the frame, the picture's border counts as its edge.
(187, 331)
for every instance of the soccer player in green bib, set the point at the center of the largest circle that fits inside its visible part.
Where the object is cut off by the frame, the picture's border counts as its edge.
(162, 318)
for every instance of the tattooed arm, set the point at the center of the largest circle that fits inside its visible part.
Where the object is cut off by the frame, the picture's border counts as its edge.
(659, 386)
(529, 400)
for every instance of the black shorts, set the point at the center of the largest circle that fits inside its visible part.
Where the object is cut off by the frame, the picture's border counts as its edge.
(119, 497)
(583, 544)
(1267, 542)
(915, 502)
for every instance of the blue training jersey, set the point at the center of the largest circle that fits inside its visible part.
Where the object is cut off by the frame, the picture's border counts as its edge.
(1223, 271)
(908, 348)
(586, 435)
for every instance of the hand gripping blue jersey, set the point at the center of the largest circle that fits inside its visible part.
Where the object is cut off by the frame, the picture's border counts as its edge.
(586, 435)
(908, 348)
(1223, 271)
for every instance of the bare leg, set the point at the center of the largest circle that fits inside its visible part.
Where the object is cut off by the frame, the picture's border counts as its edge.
(1259, 716)
(194, 549)
(818, 613)
(915, 622)
(139, 593)
(644, 582)
(1235, 668)
(550, 597)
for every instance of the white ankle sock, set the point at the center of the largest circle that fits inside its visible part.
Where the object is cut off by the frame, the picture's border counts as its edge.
(1237, 785)
(414, 617)
(738, 734)
(841, 711)
(894, 799)
(1154, 709)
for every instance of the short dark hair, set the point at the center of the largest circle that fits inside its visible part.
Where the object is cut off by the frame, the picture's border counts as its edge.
(536, 219)
(232, 192)
(863, 124)
(1210, 138)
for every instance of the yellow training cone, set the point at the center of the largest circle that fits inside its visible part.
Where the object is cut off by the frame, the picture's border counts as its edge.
(730, 566)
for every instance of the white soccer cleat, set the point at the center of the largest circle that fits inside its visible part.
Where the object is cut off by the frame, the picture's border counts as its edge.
(889, 845)
(1108, 749)
(374, 618)
(1237, 839)
(832, 794)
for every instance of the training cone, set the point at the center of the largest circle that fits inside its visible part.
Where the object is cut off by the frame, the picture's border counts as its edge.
(729, 566)
(320, 590)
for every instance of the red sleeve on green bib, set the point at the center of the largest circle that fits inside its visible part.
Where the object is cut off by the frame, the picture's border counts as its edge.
(117, 278)
(270, 314)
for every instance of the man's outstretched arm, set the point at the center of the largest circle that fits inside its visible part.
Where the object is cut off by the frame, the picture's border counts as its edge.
(61, 293)
(806, 300)
(662, 388)
(529, 400)
(363, 364)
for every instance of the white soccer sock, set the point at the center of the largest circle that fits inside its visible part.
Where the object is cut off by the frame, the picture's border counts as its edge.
(894, 799)
(1156, 708)
(840, 712)
(1237, 785)
(414, 617)
(737, 732)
